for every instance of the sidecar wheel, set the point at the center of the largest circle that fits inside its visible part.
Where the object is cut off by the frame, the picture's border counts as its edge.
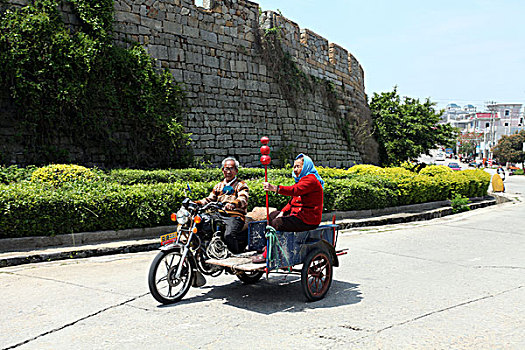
(250, 277)
(316, 275)
(162, 283)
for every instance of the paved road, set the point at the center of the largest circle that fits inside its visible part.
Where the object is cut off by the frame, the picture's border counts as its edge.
(455, 282)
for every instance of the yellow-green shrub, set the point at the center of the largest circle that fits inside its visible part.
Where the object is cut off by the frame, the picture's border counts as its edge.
(59, 174)
(434, 170)
(333, 173)
(408, 166)
(366, 169)
(479, 181)
(398, 172)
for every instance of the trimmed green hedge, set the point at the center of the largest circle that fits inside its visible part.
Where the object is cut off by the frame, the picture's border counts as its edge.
(13, 174)
(135, 176)
(39, 209)
(35, 209)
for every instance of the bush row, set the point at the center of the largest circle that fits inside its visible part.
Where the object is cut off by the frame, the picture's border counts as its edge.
(59, 173)
(135, 176)
(35, 209)
(40, 209)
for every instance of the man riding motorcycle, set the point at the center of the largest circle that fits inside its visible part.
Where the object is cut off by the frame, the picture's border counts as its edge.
(234, 193)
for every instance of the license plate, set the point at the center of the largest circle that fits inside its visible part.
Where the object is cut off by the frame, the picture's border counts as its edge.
(168, 237)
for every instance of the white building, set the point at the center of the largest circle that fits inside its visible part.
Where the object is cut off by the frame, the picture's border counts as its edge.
(500, 119)
(510, 118)
(456, 115)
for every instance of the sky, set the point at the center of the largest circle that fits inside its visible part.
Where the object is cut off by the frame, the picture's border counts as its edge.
(461, 51)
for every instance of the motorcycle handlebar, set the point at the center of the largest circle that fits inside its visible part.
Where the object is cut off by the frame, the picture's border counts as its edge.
(215, 205)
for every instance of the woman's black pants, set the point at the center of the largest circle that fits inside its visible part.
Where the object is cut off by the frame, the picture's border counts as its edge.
(289, 223)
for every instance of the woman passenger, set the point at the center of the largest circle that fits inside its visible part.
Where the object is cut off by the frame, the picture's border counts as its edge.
(303, 212)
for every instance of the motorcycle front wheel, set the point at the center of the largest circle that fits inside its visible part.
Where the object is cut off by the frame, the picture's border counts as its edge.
(165, 287)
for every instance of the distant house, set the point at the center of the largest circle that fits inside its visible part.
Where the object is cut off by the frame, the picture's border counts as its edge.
(500, 119)
(510, 118)
(458, 116)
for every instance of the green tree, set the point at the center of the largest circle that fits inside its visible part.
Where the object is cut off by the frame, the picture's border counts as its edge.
(406, 128)
(510, 148)
(78, 85)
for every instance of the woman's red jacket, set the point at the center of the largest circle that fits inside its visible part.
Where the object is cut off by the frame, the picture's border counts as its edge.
(307, 200)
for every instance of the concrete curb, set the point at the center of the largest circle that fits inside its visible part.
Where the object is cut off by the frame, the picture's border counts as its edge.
(410, 217)
(349, 220)
(75, 239)
(32, 257)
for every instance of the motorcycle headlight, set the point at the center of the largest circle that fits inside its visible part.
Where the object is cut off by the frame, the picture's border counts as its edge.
(183, 216)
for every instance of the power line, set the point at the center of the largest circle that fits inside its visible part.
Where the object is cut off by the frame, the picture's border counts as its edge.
(466, 100)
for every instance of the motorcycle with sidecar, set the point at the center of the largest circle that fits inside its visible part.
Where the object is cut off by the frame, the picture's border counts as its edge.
(196, 250)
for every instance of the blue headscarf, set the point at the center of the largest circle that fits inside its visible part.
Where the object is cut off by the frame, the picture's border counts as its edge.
(308, 168)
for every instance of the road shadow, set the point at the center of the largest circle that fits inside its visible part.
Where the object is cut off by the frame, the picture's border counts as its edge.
(277, 294)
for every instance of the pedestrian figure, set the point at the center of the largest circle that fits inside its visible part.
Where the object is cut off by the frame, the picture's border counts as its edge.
(501, 172)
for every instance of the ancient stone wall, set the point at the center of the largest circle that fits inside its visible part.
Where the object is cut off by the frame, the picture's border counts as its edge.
(217, 52)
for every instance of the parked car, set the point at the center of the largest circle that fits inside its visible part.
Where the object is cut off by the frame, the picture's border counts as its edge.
(454, 166)
(440, 157)
(511, 169)
(475, 163)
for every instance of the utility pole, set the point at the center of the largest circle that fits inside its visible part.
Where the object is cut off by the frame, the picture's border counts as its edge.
(491, 106)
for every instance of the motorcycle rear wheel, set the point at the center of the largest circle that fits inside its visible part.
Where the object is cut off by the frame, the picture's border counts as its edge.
(162, 283)
(250, 277)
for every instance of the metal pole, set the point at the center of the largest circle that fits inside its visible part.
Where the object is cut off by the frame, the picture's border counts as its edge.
(265, 160)
(490, 106)
(267, 206)
(493, 141)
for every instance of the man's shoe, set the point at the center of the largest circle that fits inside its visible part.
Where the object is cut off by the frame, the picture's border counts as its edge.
(259, 258)
(198, 280)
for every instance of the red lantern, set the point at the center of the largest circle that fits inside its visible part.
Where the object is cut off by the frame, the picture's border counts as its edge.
(265, 160)
(265, 150)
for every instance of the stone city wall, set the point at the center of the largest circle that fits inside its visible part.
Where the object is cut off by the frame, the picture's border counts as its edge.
(235, 98)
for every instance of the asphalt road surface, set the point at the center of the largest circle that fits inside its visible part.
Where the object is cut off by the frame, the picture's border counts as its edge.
(455, 282)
